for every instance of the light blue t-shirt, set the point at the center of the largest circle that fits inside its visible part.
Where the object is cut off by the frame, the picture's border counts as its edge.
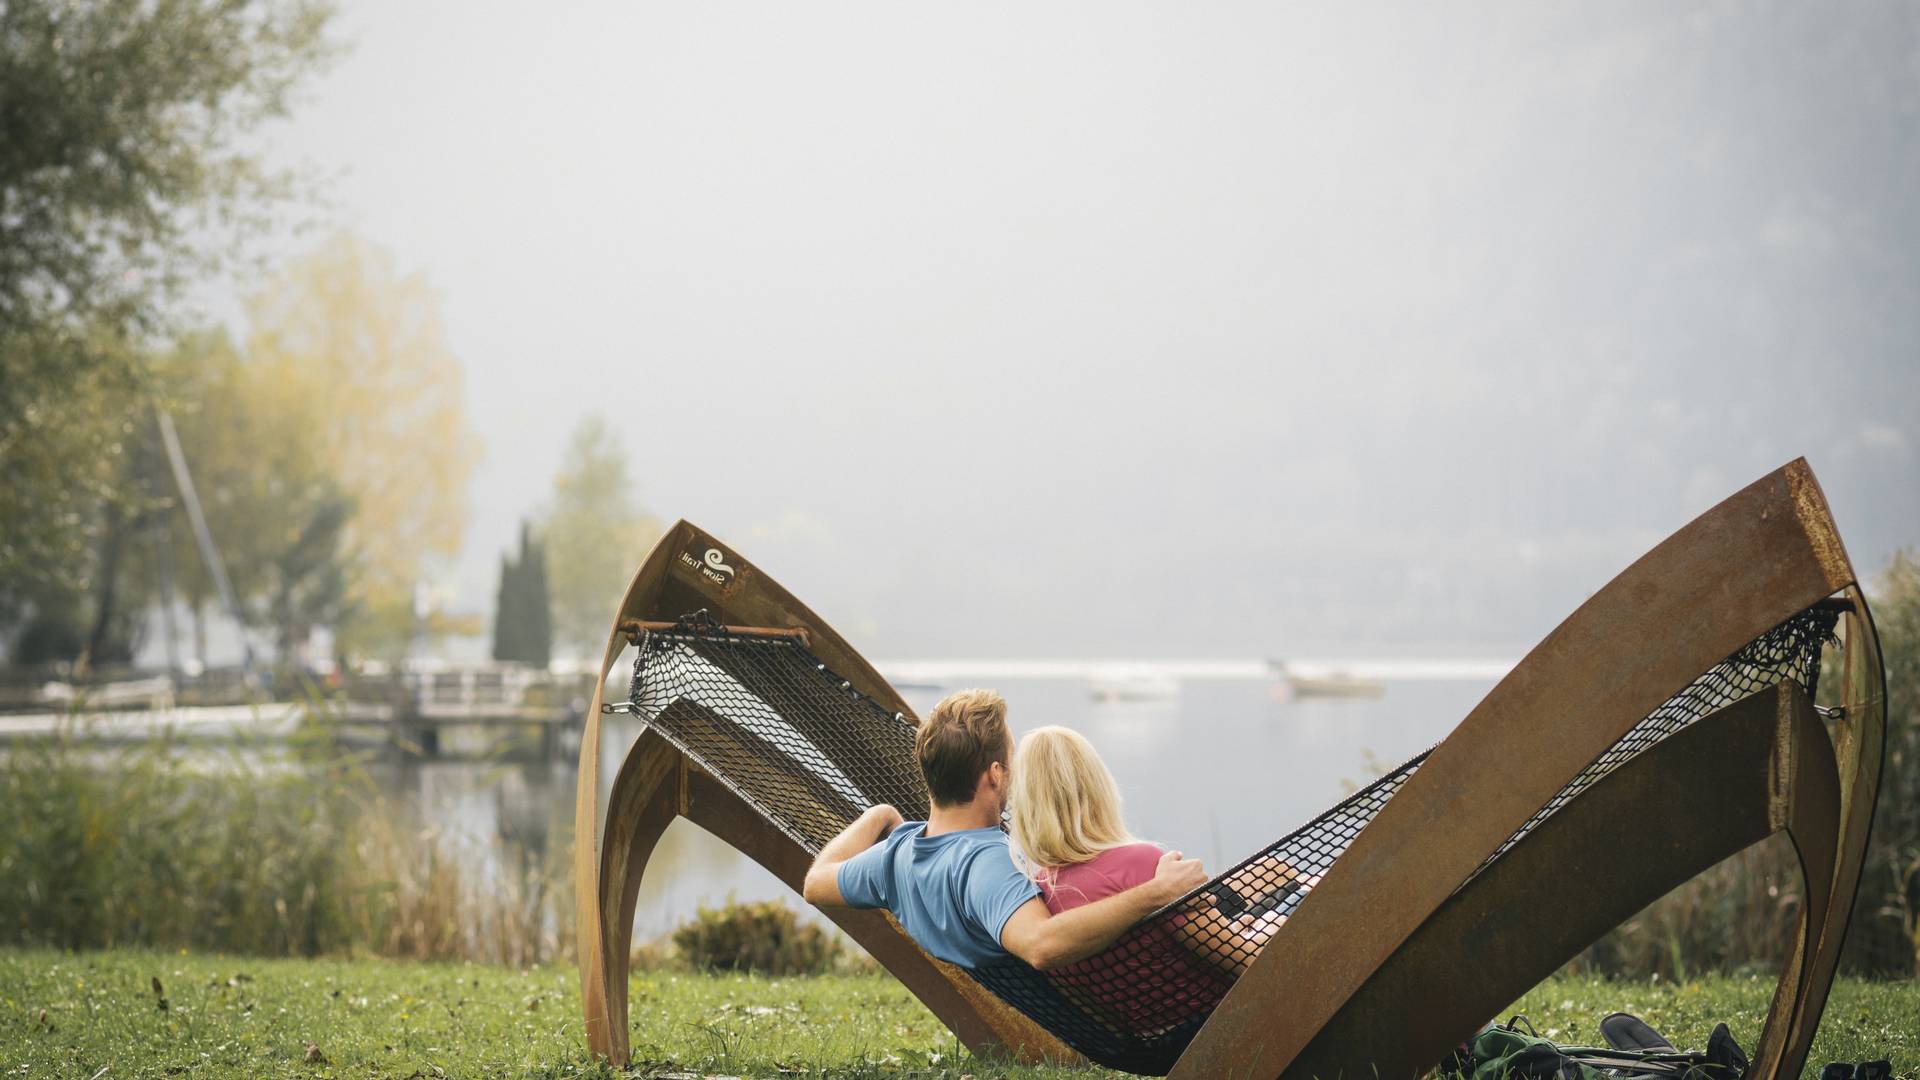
(951, 893)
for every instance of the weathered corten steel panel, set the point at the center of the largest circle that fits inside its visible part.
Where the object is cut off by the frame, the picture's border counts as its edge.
(1715, 788)
(1859, 734)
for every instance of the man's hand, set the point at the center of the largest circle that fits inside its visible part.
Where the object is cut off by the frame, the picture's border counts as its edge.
(1176, 876)
(822, 885)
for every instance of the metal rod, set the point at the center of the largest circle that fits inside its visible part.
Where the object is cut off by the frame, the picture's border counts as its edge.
(203, 535)
(634, 627)
(162, 536)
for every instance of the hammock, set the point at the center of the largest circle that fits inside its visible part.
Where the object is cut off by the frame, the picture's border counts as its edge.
(810, 752)
(769, 730)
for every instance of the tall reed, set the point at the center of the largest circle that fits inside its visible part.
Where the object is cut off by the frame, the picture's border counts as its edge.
(264, 851)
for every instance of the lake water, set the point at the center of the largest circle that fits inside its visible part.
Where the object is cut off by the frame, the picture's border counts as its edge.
(1217, 771)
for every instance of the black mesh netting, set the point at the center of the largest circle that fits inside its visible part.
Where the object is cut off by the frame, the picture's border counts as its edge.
(810, 752)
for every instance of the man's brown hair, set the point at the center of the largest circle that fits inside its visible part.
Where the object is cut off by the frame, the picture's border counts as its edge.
(959, 739)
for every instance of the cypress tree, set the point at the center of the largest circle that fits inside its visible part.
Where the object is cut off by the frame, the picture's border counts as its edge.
(507, 622)
(522, 619)
(537, 608)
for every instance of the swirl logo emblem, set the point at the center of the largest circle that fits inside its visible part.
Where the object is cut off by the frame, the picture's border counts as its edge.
(712, 567)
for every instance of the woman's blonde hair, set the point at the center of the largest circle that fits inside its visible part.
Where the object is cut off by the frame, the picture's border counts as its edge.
(1065, 805)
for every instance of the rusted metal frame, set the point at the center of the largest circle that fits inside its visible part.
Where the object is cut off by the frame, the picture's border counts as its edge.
(1807, 512)
(1707, 792)
(1763, 554)
(1860, 748)
(662, 586)
(753, 598)
(633, 628)
(590, 928)
(646, 797)
(590, 925)
(1811, 821)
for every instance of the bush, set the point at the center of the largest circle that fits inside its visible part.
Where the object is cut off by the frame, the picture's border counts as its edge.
(766, 937)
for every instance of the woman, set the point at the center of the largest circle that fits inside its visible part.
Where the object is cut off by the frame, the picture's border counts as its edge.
(1069, 836)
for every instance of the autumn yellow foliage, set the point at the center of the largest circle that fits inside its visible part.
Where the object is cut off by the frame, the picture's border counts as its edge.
(344, 334)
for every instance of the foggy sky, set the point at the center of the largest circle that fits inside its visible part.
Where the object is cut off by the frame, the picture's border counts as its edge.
(1161, 330)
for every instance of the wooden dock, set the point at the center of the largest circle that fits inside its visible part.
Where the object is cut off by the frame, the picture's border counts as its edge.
(415, 713)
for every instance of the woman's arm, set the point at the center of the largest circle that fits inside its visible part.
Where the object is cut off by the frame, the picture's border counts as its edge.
(1229, 944)
(1230, 940)
(1265, 876)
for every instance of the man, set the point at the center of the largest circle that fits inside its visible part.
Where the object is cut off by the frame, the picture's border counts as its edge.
(951, 881)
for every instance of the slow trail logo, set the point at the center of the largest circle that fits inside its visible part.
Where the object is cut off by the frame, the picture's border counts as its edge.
(712, 566)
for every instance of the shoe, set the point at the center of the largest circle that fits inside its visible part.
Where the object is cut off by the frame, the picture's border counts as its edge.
(1723, 1052)
(1624, 1031)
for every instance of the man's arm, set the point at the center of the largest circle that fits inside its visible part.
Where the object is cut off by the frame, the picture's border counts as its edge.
(1048, 941)
(822, 885)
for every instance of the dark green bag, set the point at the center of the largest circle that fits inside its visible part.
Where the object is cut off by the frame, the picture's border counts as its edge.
(1510, 1053)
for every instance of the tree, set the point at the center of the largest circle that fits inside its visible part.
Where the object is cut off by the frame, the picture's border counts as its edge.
(85, 596)
(344, 336)
(595, 535)
(522, 617)
(306, 579)
(124, 172)
(277, 514)
(72, 444)
(70, 410)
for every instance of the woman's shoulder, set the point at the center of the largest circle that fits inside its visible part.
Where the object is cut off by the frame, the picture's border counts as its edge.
(1126, 865)
(1134, 855)
(1116, 869)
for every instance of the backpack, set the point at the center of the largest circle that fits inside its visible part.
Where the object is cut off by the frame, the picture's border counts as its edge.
(1634, 1052)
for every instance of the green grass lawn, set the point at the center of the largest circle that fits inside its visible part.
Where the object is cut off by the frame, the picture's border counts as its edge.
(74, 1015)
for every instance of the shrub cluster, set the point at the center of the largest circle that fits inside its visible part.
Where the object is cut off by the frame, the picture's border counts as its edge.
(765, 937)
